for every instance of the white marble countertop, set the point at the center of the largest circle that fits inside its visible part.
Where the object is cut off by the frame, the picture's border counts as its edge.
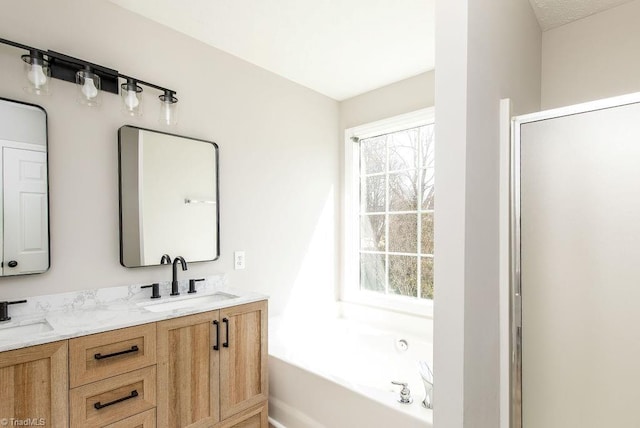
(80, 313)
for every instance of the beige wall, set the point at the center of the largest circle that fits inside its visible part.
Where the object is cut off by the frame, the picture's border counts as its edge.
(593, 58)
(401, 97)
(487, 50)
(278, 152)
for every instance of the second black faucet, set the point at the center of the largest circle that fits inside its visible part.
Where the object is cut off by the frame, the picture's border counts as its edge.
(174, 281)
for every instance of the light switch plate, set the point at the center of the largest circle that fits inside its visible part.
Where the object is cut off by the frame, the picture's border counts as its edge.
(238, 260)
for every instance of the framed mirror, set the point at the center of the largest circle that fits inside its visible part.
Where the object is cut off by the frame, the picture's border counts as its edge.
(24, 211)
(168, 197)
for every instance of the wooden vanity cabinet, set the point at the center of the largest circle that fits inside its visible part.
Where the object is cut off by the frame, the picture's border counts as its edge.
(203, 370)
(34, 385)
(213, 366)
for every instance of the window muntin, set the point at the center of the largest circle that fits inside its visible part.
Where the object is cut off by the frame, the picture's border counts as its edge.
(396, 205)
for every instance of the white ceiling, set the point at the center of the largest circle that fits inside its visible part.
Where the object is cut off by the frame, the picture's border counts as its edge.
(554, 13)
(340, 48)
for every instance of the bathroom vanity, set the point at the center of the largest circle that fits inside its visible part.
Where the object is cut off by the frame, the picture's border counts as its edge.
(203, 365)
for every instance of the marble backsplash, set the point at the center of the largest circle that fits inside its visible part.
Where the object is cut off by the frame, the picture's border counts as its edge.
(86, 299)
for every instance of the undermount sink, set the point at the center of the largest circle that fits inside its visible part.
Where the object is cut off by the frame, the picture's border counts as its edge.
(185, 302)
(24, 330)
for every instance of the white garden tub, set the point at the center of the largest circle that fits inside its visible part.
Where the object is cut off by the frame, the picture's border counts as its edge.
(337, 374)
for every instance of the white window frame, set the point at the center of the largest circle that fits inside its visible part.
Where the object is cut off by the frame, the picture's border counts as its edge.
(350, 290)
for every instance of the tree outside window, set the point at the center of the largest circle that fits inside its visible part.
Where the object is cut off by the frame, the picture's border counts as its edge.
(396, 212)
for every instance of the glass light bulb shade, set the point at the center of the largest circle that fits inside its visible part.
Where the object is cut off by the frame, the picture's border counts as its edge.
(131, 95)
(37, 74)
(88, 88)
(131, 100)
(168, 112)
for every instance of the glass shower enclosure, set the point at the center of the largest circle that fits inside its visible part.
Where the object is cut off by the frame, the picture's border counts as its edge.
(575, 257)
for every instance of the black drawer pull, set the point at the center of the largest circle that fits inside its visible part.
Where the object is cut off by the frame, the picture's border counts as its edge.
(99, 356)
(99, 405)
(217, 345)
(226, 323)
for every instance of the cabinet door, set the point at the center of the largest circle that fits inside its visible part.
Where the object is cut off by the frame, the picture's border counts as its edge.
(243, 363)
(34, 385)
(187, 372)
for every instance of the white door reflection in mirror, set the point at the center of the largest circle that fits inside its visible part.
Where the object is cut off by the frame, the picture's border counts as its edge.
(25, 211)
(24, 200)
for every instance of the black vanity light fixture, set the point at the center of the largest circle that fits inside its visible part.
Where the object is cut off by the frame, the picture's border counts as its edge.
(91, 80)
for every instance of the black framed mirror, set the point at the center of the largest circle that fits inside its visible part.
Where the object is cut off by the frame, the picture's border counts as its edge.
(168, 197)
(24, 231)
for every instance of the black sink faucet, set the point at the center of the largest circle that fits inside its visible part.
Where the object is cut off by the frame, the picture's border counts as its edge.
(4, 309)
(165, 259)
(174, 281)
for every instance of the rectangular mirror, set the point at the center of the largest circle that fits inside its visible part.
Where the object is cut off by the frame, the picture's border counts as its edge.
(24, 214)
(168, 197)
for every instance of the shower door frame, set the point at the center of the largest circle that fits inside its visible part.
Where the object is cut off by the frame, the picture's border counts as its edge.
(515, 280)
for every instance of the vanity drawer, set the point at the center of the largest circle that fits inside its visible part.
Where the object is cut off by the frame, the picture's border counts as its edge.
(141, 420)
(255, 417)
(99, 356)
(111, 400)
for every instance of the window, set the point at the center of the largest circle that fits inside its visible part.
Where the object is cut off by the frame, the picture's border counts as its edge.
(390, 208)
